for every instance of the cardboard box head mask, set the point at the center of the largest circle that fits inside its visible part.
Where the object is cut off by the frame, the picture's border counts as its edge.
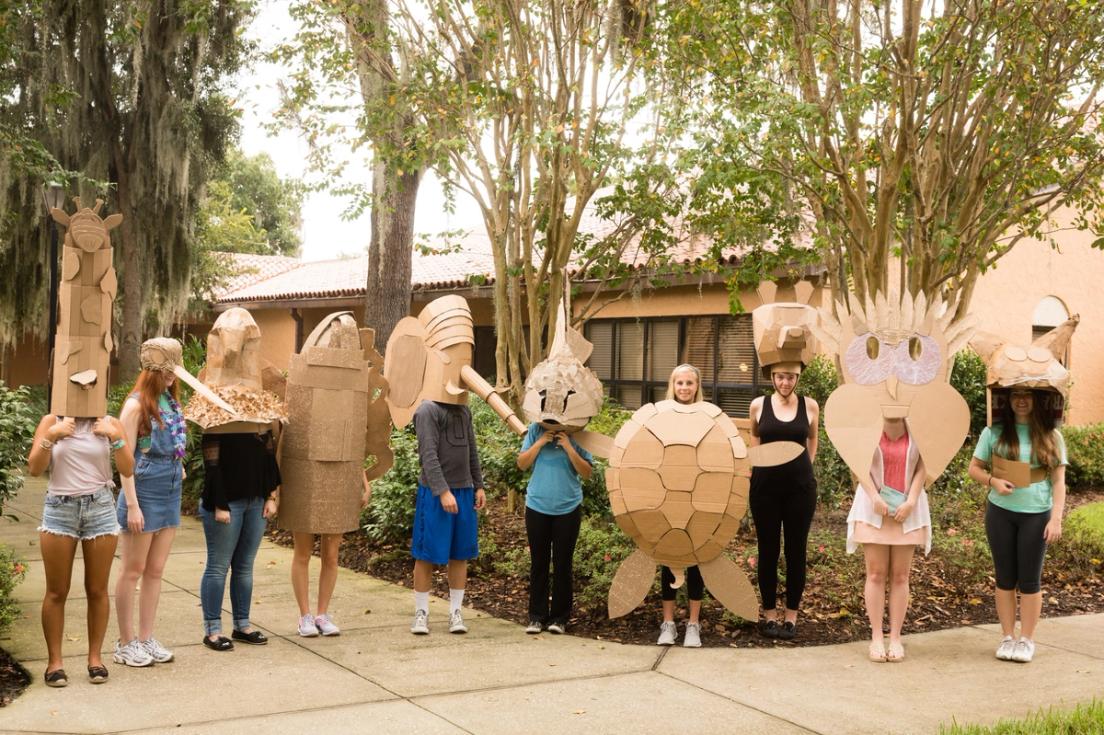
(783, 331)
(894, 357)
(82, 348)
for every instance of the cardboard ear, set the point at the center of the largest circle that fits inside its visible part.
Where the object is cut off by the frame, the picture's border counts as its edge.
(1057, 340)
(60, 216)
(986, 344)
(112, 221)
(631, 584)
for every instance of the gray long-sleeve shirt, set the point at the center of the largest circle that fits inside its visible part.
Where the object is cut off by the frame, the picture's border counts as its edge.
(446, 447)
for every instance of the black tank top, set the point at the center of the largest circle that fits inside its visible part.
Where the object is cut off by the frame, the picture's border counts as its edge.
(797, 471)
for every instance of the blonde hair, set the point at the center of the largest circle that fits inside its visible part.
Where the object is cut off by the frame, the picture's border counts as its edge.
(671, 382)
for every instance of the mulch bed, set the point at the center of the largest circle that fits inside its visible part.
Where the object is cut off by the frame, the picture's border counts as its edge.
(13, 678)
(940, 596)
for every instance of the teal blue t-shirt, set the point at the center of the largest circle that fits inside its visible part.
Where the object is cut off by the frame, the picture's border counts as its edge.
(555, 488)
(1036, 497)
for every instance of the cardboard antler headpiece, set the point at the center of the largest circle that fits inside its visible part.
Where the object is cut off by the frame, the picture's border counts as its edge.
(895, 358)
(1034, 366)
(678, 482)
(561, 393)
(82, 348)
(782, 331)
(337, 415)
(429, 357)
(233, 372)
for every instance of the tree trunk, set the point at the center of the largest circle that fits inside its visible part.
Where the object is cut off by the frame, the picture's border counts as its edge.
(131, 258)
(387, 294)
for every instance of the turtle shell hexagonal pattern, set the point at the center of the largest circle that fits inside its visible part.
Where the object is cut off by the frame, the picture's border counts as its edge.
(678, 481)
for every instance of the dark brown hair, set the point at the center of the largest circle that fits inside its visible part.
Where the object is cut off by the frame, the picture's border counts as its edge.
(1041, 425)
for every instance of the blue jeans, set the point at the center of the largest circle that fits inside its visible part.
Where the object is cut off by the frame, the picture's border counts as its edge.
(230, 547)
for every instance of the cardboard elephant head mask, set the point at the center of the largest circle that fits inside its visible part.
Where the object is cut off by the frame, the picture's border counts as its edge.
(233, 371)
(894, 357)
(82, 348)
(429, 357)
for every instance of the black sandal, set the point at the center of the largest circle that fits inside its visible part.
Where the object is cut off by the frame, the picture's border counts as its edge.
(222, 643)
(768, 628)
(253, 638)
(97, 674)
(788, 631)
(57, 678)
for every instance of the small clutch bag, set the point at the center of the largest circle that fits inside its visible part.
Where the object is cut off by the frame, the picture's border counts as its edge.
(893, 498)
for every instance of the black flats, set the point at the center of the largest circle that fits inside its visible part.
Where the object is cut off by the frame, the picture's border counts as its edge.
(222, 643)
(57, 678)
(253, 638)
(97, 674)
(771, 629)
(787, 631)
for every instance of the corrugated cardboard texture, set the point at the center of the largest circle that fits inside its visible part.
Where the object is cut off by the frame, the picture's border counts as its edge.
(332, 383)
(83, 343)
(782, 334)
(631, 584)
(894, 356)
(730, 587)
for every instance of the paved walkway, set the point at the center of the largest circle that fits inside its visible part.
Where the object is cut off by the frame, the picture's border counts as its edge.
(378, 678)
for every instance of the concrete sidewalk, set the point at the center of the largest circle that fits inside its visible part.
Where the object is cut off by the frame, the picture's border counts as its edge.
(376, 677)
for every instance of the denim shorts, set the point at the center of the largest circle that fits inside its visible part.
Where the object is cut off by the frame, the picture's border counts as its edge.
(82, 517)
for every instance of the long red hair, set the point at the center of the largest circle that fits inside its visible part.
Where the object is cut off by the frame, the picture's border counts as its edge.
(148, 389)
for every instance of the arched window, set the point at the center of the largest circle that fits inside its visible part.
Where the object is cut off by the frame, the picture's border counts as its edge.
(1049, 313)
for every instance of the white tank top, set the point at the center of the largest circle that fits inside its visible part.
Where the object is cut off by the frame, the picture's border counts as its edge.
(80, 464)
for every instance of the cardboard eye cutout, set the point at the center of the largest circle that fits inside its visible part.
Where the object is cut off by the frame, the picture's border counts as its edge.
(337, 416)
(894, 358)
(86, 296)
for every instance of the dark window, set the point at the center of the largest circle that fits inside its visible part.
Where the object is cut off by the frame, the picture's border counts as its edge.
(634, 358)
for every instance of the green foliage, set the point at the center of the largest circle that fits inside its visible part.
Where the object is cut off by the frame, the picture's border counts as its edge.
(968, 378)
(1085, 448)
(1081, 720)
(12, 572)
(17, 426)
(601, 548)
(389, 518)
(1085, 527)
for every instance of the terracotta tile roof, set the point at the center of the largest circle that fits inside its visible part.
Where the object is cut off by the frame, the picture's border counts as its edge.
(247, 268)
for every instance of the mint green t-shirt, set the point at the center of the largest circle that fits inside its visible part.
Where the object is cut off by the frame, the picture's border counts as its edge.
(1036, 497)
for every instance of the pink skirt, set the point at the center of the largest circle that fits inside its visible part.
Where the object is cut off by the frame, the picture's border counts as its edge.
(892, 533)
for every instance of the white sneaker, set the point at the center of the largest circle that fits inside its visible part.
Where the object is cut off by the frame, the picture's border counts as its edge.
(456, 622)
(1024, 651)
(534, 627)
(557, 628)
(1006, 647)
(132, 654)
(668, 634)
(157, 652)
(326, 625)
(307, 628)
(420, 626)
(692, 637)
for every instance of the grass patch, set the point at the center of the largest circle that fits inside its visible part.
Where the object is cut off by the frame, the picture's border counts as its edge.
(1085, 719)
(1085, 525)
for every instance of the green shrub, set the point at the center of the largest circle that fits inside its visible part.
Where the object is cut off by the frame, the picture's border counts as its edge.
(1085, 526)
(1085, 447)
(18, 421)
(389, 518)
(968, 378)
(601, 548)
(12, 572)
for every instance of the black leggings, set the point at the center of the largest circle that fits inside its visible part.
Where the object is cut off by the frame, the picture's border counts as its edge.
(695, 587)
(551, 539)
(776, 511)
(1017, 545)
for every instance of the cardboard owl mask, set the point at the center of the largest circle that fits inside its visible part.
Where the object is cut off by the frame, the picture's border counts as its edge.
(894, 358)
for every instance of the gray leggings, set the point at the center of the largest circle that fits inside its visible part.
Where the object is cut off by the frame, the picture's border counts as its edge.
(1016, 542)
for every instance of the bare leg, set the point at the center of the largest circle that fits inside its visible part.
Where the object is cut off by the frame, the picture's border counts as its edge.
(900, 564)
(1006, 610)
(423, 575)
(300, 570)
(1031, 607)
(457, 574)
(133, 550)
(327, 577)
(790, 616)
(695, 611)
(99, 554)
(150, 594)
(668, 611)
(57, 558)
(877, 567)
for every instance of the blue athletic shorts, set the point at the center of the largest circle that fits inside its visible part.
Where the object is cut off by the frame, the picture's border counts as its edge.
(440, 536)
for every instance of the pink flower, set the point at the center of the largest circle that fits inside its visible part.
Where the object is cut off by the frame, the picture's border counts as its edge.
(607, 557)
(968, 542)
(821, 548)
(952, 531)
(18, 568)
(751, 561)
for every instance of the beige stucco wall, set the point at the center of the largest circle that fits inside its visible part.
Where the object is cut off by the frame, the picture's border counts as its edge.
(688, 300)
(1006, 297)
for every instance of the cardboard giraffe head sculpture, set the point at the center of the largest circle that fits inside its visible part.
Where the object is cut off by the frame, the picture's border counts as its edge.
(783, 330)
(678, 482)
(894, 357)
(82, 348)
(337, 416)
(429, 357)
(234, 373)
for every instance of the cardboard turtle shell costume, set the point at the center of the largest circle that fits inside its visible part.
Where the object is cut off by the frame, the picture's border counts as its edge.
(82, 348)
(337, 415)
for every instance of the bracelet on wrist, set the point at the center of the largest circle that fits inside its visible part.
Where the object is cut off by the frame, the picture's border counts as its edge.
(118, 444)
(46, 444)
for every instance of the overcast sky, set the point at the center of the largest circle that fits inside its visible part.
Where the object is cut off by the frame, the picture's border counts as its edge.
(325, 234)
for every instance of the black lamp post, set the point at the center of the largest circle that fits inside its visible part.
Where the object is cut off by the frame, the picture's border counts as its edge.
(53, 196)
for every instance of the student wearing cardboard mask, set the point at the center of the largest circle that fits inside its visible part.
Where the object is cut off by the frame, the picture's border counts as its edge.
(783, 498)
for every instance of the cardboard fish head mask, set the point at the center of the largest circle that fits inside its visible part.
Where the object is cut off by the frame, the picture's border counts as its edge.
(562, 393)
